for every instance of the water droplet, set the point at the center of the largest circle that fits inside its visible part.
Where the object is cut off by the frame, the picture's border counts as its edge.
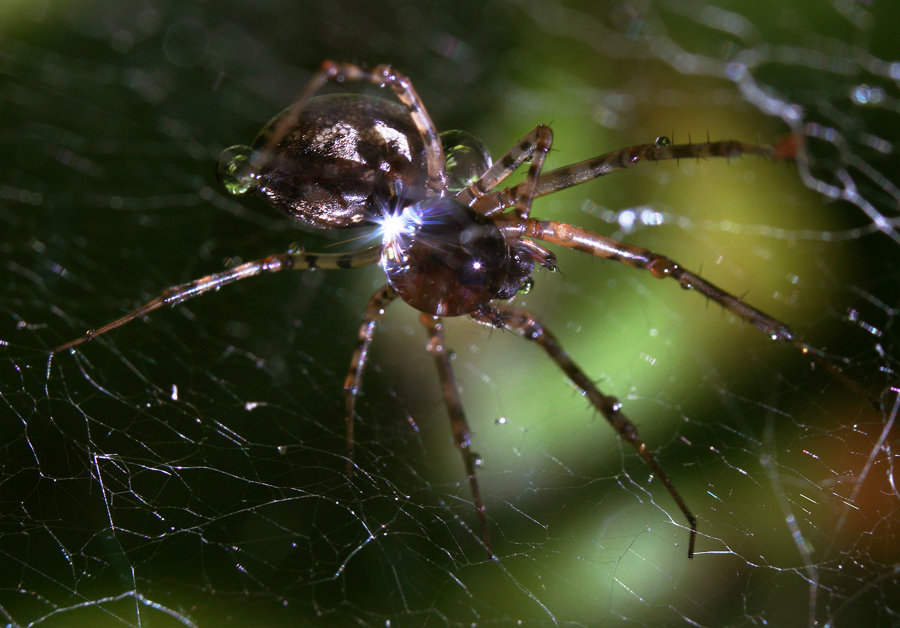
(865, 95)
(526, 286)
(662, 140)
(234, 171)
(466, 158)
(626, 219)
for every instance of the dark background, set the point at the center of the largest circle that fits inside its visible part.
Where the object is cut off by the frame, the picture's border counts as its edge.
(187, 469)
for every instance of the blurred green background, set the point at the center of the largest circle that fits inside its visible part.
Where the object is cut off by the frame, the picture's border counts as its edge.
(188, 468)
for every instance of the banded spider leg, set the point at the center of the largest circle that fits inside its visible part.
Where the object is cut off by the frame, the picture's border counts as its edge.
(291, 260)
(526, 325)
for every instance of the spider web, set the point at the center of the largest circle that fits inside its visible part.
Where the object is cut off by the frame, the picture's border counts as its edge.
(187, 469)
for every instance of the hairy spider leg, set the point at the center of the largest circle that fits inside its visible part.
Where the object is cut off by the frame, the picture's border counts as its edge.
(525, 324)
(381, 75)
(535, 145)
(543, 142)
(458, 423)
(375, 310)
(291, 260)
(583, 171)
(661, 267)
(494, 203)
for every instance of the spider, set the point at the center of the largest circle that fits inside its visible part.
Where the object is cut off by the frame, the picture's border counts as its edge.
(453, 242)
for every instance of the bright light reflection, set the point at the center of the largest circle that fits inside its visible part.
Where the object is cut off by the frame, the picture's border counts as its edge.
(394, 225)
(391, 226)
(394, 228)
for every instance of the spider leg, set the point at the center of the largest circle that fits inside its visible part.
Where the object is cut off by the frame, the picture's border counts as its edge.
(535, 145)
(379, 302)
(461, 432)
(661, 267)
(528, 327)
(401, 85)
(658, 265)
(292, 260)
(581, 172)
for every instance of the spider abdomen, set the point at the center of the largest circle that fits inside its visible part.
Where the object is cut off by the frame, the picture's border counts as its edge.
(445, 259)
(335, 162)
